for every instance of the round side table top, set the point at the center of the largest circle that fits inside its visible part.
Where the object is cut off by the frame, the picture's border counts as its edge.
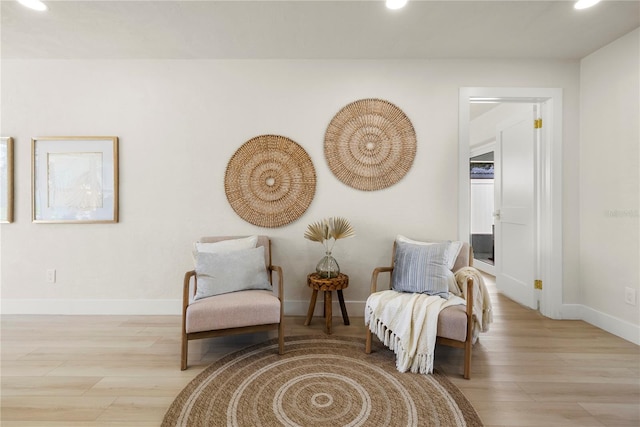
(323, 284)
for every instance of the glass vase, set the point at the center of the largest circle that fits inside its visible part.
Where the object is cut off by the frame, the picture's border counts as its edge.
(328, 267)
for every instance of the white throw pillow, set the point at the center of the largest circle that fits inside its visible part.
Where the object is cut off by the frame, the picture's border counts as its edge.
(221, 273)
(452, 251)
(224, 246)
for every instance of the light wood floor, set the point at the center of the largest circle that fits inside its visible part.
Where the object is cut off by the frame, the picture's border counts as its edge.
(115, 371)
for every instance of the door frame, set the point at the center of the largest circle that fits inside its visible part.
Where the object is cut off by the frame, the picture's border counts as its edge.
(548, 166)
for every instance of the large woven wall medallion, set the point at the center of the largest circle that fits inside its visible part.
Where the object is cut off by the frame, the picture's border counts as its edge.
(270, 181)
(370, 144)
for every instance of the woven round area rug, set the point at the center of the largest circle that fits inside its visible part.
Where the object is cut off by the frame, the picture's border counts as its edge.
(319, 381)
(370, 144)
(270, 181)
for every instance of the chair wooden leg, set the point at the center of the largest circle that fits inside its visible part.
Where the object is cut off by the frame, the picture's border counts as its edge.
(185, 350)
(281, 338)
(367, 346)
(312, 306)
(343, 308)
(327, 311)
(467, 359)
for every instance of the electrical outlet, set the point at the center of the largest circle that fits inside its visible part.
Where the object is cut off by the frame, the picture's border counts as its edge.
(630, 296)
(51, 275)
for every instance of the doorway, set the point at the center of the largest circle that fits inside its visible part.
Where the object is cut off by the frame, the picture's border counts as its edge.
(485, 117)
(546, 261)
(481, 209)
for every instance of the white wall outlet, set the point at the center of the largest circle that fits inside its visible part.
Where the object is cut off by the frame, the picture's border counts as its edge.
(51, 275)
(630, 296)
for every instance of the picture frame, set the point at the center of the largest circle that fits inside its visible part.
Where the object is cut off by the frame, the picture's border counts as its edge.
(6, 179)
(74, 179)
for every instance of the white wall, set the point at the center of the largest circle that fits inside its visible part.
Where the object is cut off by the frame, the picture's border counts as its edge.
(610, 183)
(179, 122)
(482, 129)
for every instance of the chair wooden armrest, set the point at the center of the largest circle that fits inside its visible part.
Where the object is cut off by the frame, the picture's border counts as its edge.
(185, 290)
(278, 270)
(185, 303)
(470, 311)
(468, 342)
(469, 298)
(374, 277)
(374, 288)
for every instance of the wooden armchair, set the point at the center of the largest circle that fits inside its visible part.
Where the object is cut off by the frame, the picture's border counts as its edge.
(239, 312)
(455, 323)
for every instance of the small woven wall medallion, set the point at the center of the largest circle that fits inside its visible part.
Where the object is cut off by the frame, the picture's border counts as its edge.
(270, 181)
(370, 144)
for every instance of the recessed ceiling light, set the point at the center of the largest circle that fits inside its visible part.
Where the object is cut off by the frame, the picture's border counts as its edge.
(33, 4)
(396, 4)
(583, 4)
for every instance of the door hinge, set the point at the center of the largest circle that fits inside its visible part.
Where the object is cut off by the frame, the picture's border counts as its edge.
(537, 124)
(537, 284)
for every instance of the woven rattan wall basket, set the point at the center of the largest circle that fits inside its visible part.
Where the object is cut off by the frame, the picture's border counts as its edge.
(270, 181)
(370, 144)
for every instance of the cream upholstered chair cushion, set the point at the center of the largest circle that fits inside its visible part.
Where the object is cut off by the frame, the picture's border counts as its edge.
(452, 323)
(233, 310)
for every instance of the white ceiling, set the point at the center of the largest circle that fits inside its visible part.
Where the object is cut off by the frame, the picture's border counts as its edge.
(362, 29)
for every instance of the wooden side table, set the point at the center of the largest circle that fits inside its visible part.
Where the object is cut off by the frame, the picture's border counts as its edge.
(318, 283)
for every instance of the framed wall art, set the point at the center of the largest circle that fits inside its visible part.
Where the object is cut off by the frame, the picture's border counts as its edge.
(6, 179)
(75, 179)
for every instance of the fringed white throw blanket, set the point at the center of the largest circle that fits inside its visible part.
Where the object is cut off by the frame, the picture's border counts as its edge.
(407, 323)
(482, 310)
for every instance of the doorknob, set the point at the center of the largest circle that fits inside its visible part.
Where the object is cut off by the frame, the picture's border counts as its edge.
(496, 214)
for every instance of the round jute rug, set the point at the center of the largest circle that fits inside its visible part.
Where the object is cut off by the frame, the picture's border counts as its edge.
(319, 381)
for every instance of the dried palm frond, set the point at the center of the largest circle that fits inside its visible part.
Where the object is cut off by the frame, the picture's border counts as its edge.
(318, 231)
(329, 228)
(340, 228)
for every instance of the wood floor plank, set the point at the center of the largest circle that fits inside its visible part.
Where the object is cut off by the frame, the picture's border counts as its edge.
(138, 386)
(601, 392)
(54, 408)
(25, 368)
(615, 414)
(11, 423)
(534, 414)
(118, 368)
(47, 386)
(137, 408)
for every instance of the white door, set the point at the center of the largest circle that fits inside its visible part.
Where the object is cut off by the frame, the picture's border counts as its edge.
(515, 220)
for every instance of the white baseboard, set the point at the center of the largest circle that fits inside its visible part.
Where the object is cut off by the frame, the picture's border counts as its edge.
(300, 308)
(571, 311)
(607, 322)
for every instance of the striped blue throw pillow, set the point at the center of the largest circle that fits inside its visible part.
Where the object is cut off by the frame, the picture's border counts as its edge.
(421, 269)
